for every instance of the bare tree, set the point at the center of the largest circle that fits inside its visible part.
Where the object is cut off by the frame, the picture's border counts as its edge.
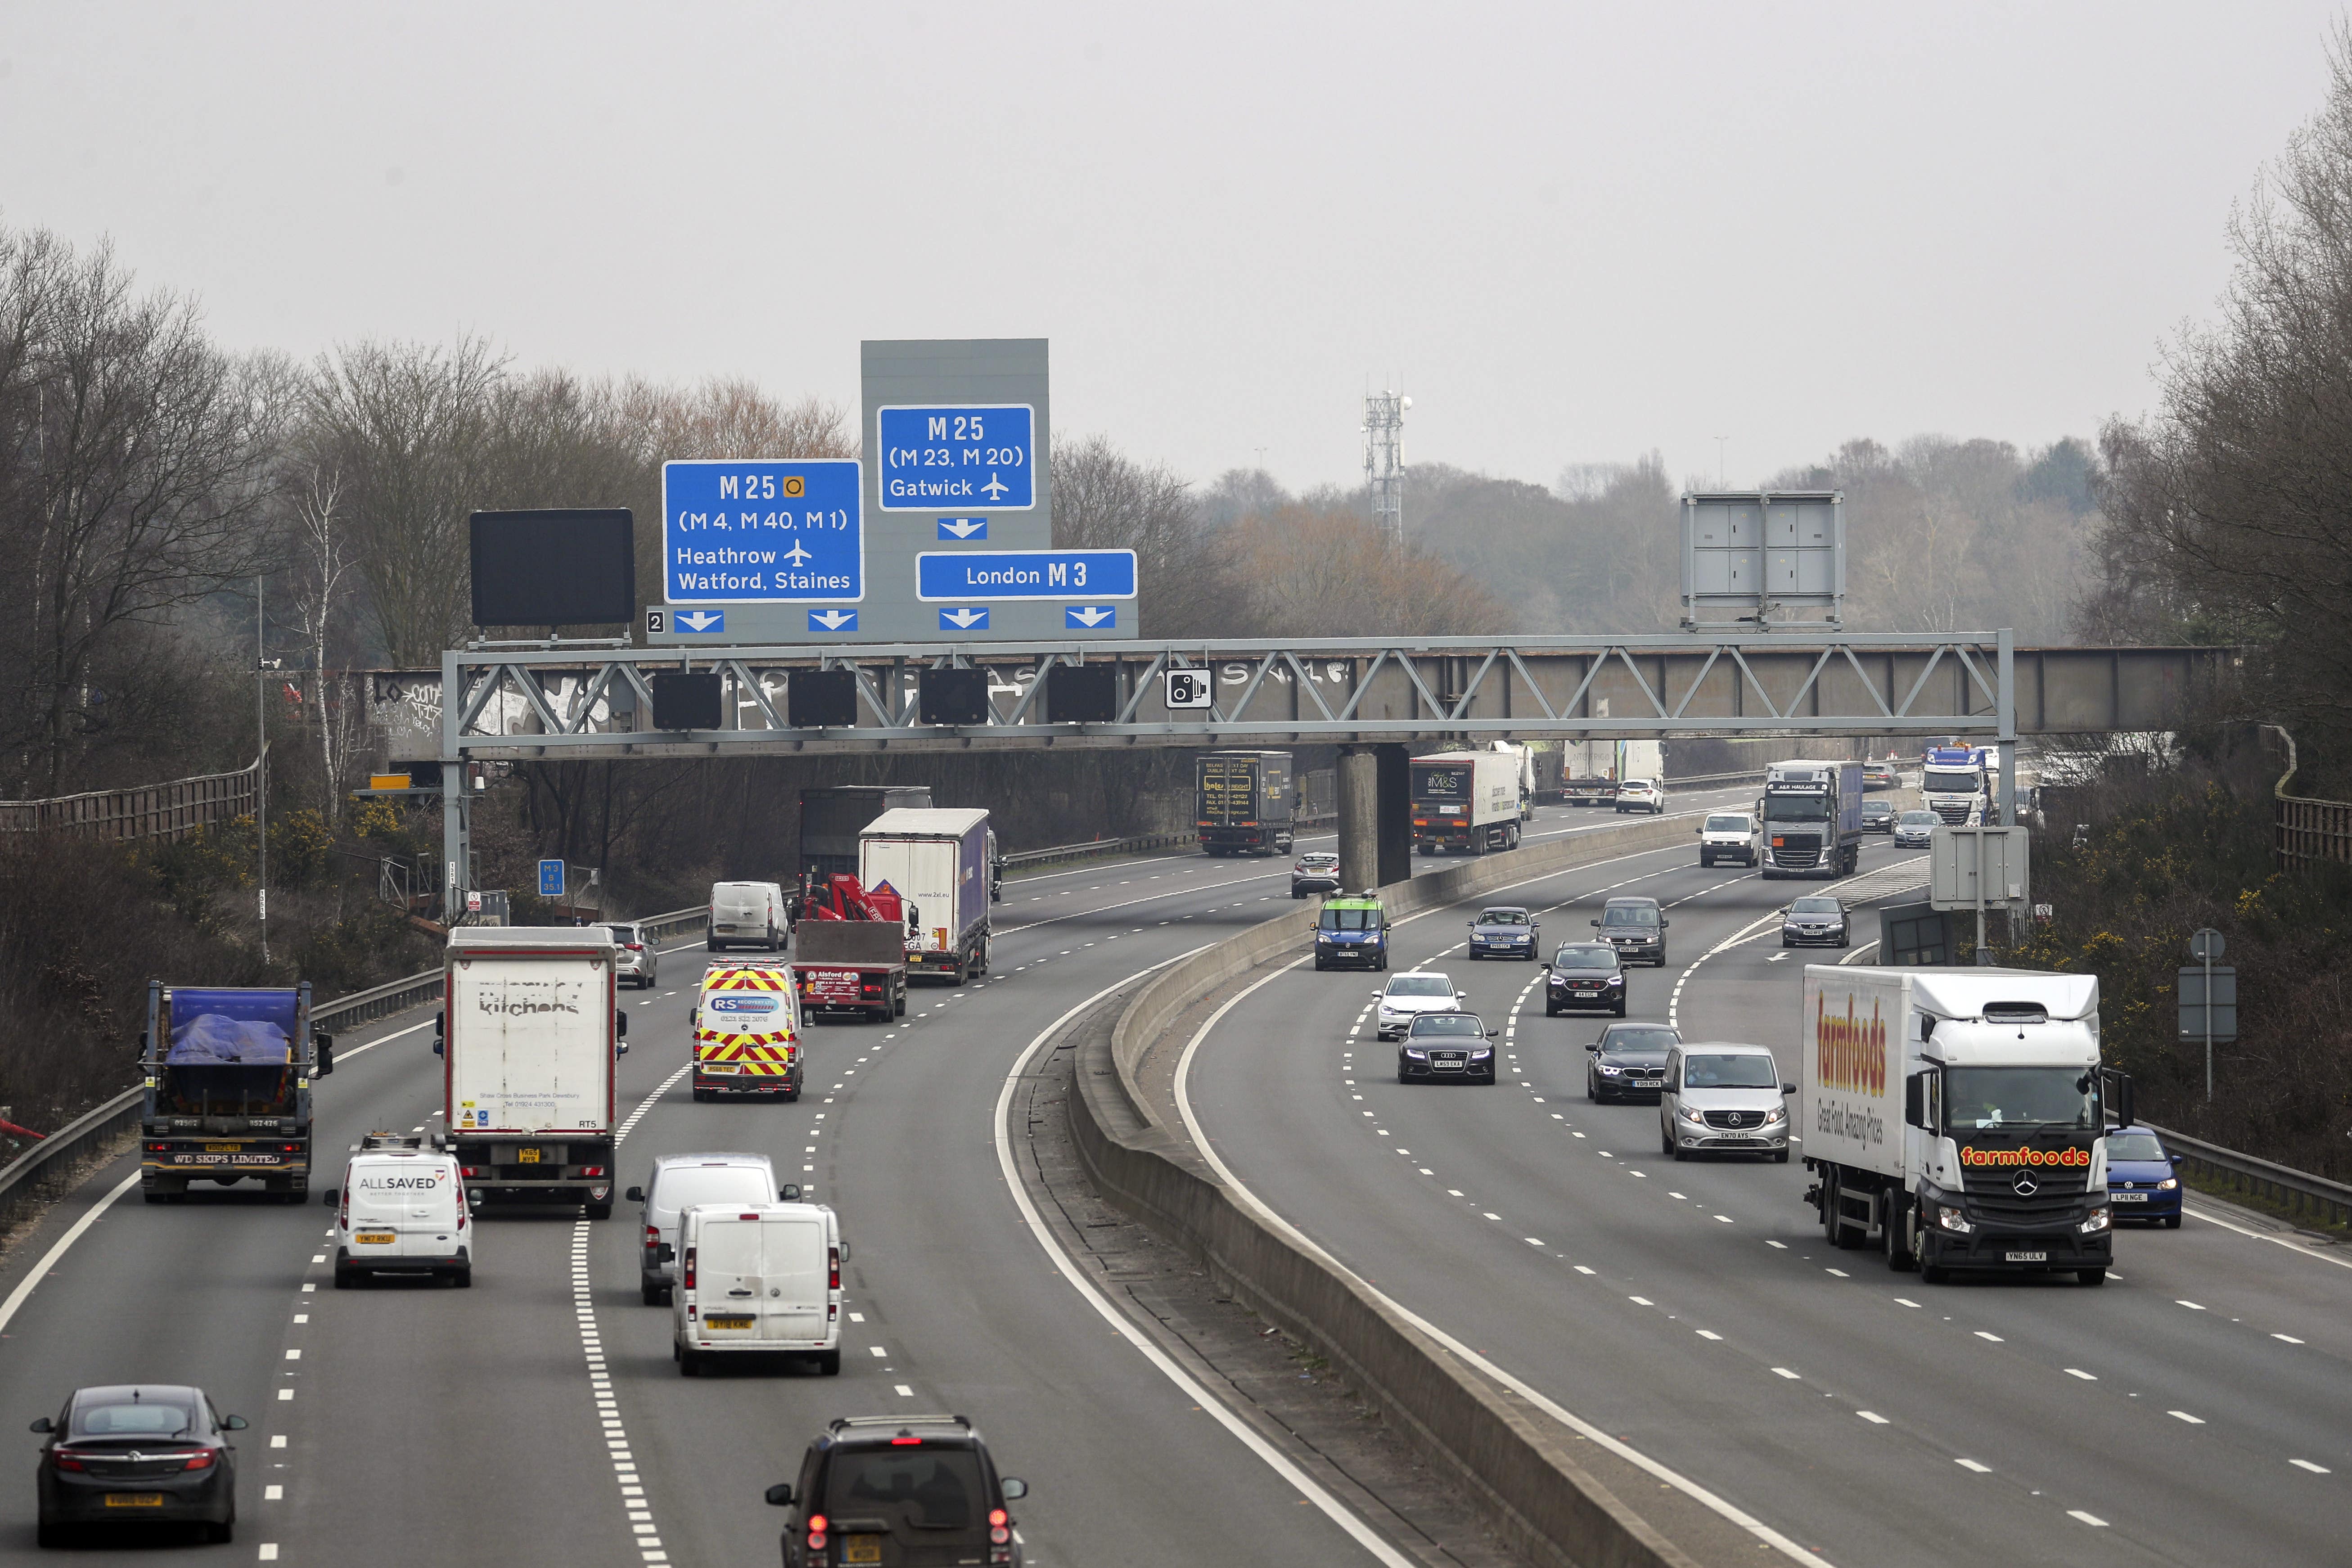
(1104, 499)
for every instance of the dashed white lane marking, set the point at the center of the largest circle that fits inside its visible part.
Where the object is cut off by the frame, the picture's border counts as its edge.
(1996, 1338)
(1783, 1372)
(2085, 1376)
(1709, 1334)
(269, 1551)
(2093, 1520)
(1872, 1416)
(904, 1391)
(2288, 1338)
(1972, 1464)
(2307, 1464)
(2184, 1415)
(2190, 1305)
(273, 1494)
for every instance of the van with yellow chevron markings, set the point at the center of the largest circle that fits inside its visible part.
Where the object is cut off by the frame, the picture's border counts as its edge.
(747, 1032)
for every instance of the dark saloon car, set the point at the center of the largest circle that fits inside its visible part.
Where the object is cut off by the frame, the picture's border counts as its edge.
(2142, 1180)
(1585, 974)
(1504, 931)
(1446, 1045)
(138, 1452)
(898, 1488)
(1878, 817)
(1817, 921)
(1628, 1062)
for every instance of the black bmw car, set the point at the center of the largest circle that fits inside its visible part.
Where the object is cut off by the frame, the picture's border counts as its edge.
(138, 1452)
(1628, 1062)
(1582, 975)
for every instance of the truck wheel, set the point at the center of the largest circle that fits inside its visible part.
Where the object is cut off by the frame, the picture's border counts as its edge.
(828, 1364)
(463, 1279)
(1899, 1240)
(2092, 1276)
(714, 944)
(344, 1278)
(899, 1009)
(1706, 860)
(651, 1293)
(599, 1211)
(690, 1362)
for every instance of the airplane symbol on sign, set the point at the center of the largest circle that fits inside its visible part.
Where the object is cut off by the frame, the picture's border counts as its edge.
(798, 556)
(996, 488)
(963, 527)
(833, 620)
(963, 620)
(1090, 615)
(702, 620)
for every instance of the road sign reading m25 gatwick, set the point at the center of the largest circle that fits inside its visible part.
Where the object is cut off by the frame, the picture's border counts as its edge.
(956, 577)
(764, 531)
(971, 456)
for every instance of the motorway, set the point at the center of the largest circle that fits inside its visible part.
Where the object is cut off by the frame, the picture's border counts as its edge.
(2197, 1409)
(538, 1418)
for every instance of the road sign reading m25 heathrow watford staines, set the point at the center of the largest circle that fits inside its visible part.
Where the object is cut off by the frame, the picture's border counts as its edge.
(764, 531)
(955, 575)
(973, 457)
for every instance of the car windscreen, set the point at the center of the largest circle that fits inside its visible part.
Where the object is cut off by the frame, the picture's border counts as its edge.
(1795, 807)
(1726, 825)
(1445, 1024)
(1621, 1042)
(1814, 907)
(1350, 920)
(2134, 1146)
(1629, 915)
(683, 1186)
(1420, 985)
(928, 1488)
(1742, 1071)
(146, 1416)
(1935, 781)
(1502, 917)
(1921, 819)
(1585, 958)
(2022, 1097)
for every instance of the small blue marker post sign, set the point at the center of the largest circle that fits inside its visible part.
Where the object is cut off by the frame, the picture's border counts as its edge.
(551, 879)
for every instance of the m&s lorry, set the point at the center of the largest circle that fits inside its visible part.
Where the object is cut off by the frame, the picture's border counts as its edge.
(1466, 801)
(1957, 1119)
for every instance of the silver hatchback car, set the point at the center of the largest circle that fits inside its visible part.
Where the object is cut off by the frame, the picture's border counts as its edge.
(634, 957)
(1720, 1098)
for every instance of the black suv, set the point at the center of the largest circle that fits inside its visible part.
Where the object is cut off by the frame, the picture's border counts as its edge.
(1584, 974)
(898, 1488)
(1635, 929)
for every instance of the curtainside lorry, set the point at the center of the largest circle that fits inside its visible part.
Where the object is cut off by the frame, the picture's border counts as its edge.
(531, 1031)
(227, 1081)
(937, 863)
(1466, 801)
(1957, 1119)
(1245, 801)
(1812, 819)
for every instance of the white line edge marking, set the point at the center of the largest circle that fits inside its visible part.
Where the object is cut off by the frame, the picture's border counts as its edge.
(40, 1270)
(1748, 932)
(1684, 1484)
(1281, 1465)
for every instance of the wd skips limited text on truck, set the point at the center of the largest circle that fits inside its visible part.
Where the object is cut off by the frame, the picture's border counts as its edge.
(1245, 801)
(937, 865)
(1957, 1119)
(531, 1033)
(1812, 819)
(227, 1081)
(1466, 801)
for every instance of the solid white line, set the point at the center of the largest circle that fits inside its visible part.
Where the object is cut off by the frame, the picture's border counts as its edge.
(1337, 1511)
(1526, 1390)
(1674, 1002)
(40, 1270)
(2298, 1249)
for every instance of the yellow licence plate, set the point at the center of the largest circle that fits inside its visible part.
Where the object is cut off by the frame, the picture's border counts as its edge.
(222, 1148)
(375, 1238)
(728, 1320)
(527, 1156)
(861, 1549)
(140, 1500)
(707, 1069)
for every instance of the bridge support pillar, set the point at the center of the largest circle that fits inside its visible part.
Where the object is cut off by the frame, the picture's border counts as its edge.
(1375, 817)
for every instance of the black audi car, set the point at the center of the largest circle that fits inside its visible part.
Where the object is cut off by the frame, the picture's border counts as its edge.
(1584, 974)
(1628, 1062)
(138, 1452)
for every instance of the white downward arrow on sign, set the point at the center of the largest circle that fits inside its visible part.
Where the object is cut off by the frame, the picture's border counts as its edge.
(831, 620)
(962, 526)
(1090, 615)
(698, 620)
(963, 618)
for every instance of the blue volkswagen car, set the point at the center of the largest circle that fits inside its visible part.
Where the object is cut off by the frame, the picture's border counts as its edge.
(2143, 1182)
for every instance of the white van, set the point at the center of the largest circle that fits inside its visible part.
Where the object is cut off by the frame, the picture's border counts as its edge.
(678, 1183)
(402, 1209)
(748, 914)
(758, 1277)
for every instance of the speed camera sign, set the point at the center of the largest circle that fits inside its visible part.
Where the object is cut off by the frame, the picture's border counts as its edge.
(1187, 688)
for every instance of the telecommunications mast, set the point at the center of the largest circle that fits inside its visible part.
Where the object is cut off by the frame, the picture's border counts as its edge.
(1384, 461)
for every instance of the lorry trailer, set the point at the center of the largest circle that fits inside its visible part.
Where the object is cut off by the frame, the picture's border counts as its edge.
(937, 864)
(227, 1076)
(1245, 801)
(1466, 801)
(850, 966)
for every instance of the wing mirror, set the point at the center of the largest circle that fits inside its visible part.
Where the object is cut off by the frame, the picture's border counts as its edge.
(327, 1197)
(1594, 1048)
(1596, 925)
(620, 1024)
(233, 1423)
(1787, 1089)
(789, 1193)
(42, 1423)
(1494, 1033)
(780, 1495)
(1014, 1487)
(633, 1195)
(324, 1049)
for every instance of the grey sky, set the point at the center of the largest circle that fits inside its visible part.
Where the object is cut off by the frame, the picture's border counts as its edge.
(1576, 232)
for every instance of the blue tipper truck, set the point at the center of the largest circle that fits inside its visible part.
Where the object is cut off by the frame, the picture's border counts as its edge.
(228, 1076)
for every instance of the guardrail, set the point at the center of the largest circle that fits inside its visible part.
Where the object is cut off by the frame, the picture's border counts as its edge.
(51, 1167)
(1521, 1467)
(1087, 851)
(2298, 1192)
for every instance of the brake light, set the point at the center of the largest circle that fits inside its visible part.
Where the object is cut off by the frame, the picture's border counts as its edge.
(905, 1442)
(202, 1459)
(996, 1518)
(469, 1169)
(816, 1533)
(67, 1462)
(832, 1267)
(463, 1204)
(653, 1236)
(158, 1148)
(344, 1209)
(689, 1276)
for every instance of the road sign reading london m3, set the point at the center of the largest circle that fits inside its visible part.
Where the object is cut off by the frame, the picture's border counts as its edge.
(764, 532)
(977, 457)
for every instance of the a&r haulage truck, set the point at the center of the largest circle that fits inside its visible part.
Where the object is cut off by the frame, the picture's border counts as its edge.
(532, 1031)
(228, 1076)
(1812, 819)
(1957, 1119)
(937, 864)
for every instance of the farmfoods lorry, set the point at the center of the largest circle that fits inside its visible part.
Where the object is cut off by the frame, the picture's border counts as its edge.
(1957, 1119)
(227, 1077)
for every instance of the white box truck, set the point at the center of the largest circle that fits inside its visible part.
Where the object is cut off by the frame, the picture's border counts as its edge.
(531, 1031)
(1956, 1118)
(937, 863)
(1466, 801)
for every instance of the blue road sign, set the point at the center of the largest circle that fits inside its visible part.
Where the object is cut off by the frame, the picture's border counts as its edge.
(963, 528)
(551, 879)
(833, 620)
(763, 532)
(950, 577)
(1089, 618)
(700, 620)
(964, 618)
(982, 456)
